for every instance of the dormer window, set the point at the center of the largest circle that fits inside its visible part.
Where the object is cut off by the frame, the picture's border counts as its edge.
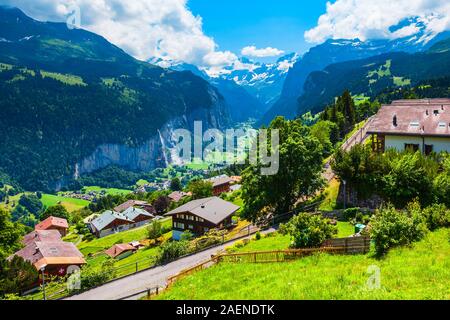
(436, 112)
(442, 125)
(394, 120)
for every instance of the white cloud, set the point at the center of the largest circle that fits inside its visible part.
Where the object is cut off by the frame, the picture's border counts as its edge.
(252, 51)
(162, 29)
(368, 19)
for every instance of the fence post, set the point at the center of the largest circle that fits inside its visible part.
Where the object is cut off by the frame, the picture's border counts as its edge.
(137, 267)
(157, 290)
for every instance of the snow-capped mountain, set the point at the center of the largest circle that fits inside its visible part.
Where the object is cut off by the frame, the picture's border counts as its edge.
(263, 80)
(341, 50)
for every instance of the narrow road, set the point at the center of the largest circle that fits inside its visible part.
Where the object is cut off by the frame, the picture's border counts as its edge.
(150, 278)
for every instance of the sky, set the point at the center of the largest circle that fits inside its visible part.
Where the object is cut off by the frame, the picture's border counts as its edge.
(235, 24)
(213, 34)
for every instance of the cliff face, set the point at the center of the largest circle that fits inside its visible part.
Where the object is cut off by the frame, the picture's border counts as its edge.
(156, 152)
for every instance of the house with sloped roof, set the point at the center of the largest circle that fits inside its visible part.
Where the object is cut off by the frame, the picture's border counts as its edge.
(121, 251)
(110, 222)
(46, 251)
(136, 204)
(54, 223)
(418, 125)
(200, 216)
(138, 216)
(221, 184)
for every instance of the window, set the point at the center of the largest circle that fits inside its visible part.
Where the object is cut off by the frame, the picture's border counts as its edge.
(411, 147)
(206, 229)
(442, 125)
(191, 227)
(415, 124)
(179, 225)
(428, 149)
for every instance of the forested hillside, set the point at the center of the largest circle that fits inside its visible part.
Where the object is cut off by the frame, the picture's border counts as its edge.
(64, 92)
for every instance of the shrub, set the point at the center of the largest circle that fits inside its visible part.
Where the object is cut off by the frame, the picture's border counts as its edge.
(351, 213)
(436, 216)
(172, 250)
(207, 240)
(390, 228)
(258, 236)
(94, 276)
(308, 230)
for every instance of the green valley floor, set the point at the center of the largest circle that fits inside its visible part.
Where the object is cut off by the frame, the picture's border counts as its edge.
(421, 271)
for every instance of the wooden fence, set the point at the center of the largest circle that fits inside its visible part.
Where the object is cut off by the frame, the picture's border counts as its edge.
(355, 245)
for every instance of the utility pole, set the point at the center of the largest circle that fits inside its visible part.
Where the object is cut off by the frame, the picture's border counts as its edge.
(43, 283)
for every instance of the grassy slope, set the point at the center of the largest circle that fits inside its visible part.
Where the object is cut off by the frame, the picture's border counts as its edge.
(420, 272)
(70, 204)
(111, 191)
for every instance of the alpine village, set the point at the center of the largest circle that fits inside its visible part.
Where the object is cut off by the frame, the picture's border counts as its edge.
(95, 202)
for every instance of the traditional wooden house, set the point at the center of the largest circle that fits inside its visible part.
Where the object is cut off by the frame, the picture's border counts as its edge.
(177, 196)
(53, 223)
(110, 222)
(47, 252)
(200, 216)
(412, 124)
(138, 216)
(135, 204)
(221, 184)
(121, 251)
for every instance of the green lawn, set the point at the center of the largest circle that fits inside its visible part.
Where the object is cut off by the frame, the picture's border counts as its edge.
(331, 194)
(71, 204)
(418, 272)
(111, 191)
(98, 245)
(282, 242)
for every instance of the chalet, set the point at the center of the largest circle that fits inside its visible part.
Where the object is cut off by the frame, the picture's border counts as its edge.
(53, 223)
(221, 184)
(136, 204)
(138, 216)
(177, 196)
(412, 124)
(200, 216)
(121, 251)
(110, 222)
(46, 251)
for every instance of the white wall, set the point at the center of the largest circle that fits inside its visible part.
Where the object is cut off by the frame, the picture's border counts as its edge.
(398, 143)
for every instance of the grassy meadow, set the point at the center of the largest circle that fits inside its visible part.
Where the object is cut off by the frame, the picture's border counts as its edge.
(421, 271)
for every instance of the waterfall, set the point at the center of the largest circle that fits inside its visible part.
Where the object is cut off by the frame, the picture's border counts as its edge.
(163, 144)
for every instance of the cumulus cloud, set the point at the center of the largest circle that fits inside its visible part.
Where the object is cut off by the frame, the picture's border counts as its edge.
(252, 51)
(161, 29)
(369, 19)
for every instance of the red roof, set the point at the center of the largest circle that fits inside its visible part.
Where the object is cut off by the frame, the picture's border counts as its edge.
(118, 249)
(52, 222)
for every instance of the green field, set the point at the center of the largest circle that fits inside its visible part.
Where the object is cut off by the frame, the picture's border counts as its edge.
(111, 191)
(71, 204)
(418, 272)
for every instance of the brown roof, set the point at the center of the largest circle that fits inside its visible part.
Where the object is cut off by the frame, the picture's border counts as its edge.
(41, 236)
(118, 249)
(178, 195)
(213, 209)
(220, 180)
(130, 203)
(426, 117)
(52, 222)
(42, 254)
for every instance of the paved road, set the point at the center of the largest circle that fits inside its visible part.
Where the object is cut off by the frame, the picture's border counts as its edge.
(150, 278)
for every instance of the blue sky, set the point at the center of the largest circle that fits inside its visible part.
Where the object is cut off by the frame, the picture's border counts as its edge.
(235, 24)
